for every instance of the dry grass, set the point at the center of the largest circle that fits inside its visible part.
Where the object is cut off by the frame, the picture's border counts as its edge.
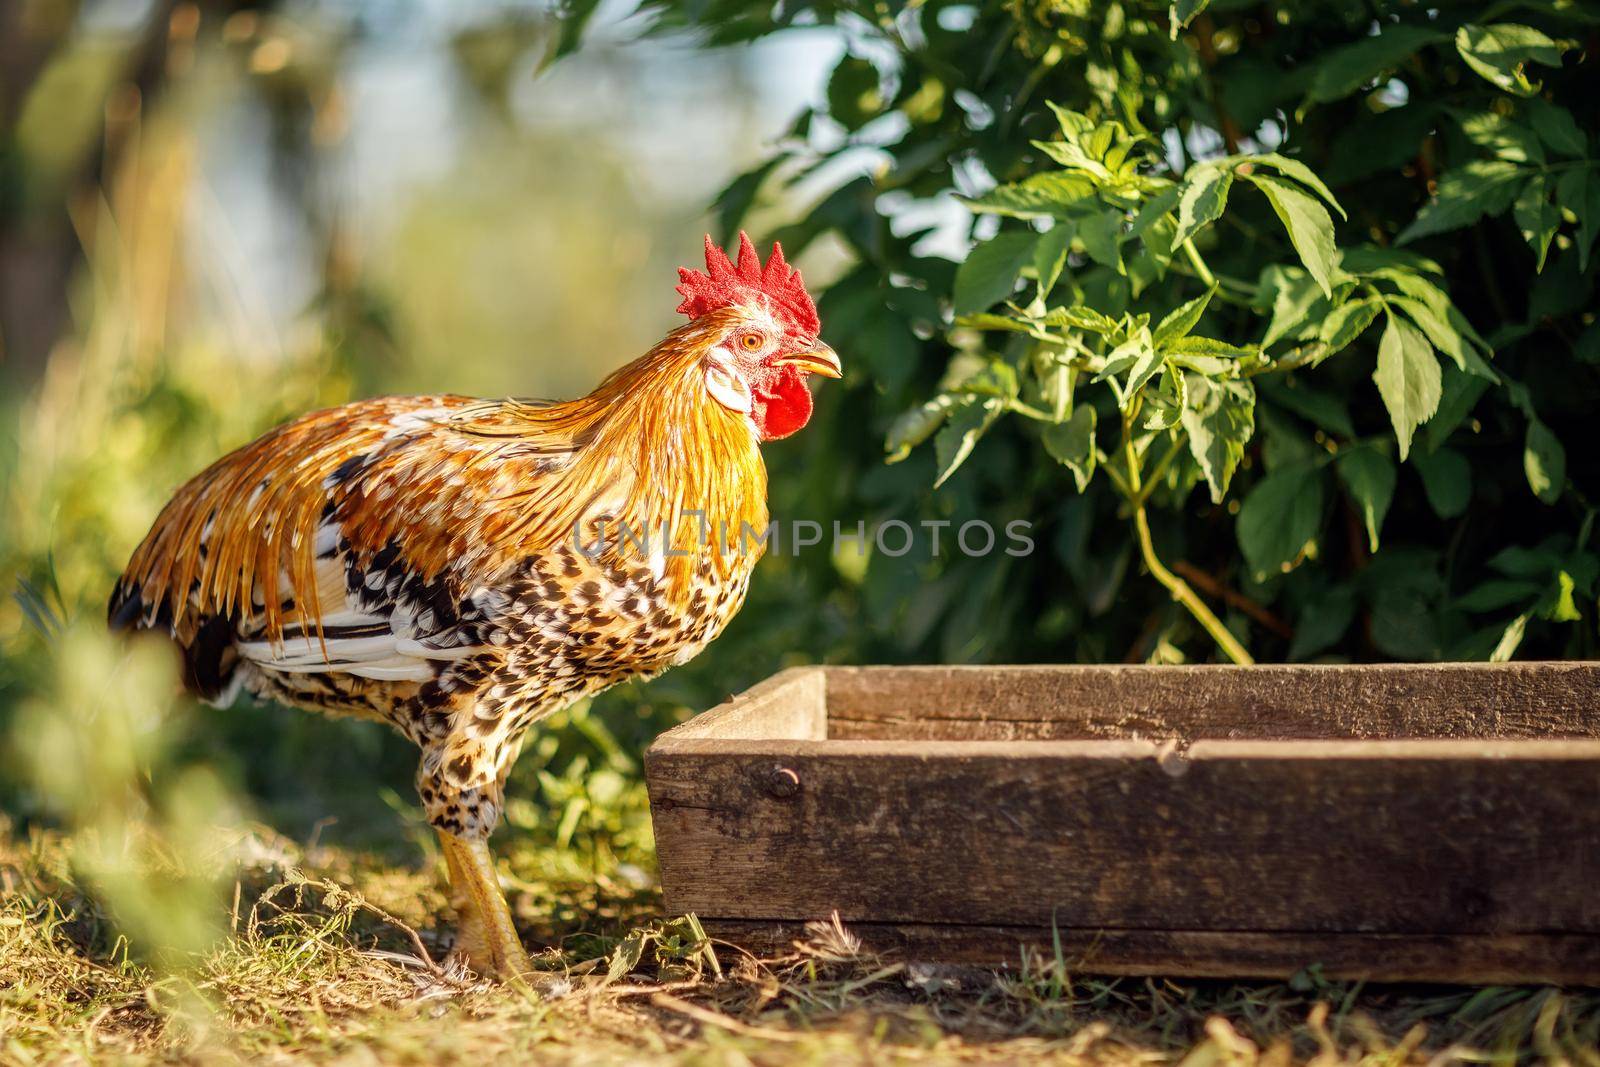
(345, 966)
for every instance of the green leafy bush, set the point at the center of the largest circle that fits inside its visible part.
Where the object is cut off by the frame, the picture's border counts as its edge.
(1292, 302)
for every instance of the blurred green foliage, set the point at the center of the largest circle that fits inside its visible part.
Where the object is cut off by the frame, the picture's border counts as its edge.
(120, 152)
(1332, 260)
(527, 258)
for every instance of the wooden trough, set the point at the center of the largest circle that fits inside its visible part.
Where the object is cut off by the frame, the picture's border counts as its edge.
(1395, 823)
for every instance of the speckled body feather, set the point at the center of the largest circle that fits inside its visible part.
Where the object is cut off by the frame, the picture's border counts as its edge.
(457, 568)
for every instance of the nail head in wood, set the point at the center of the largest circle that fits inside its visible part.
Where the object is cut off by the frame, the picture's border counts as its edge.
(783, 782)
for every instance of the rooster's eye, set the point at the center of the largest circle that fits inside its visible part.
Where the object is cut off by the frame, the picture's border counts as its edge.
(750, 341)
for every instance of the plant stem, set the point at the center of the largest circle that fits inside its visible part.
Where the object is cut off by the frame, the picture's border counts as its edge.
(1160, 469)
(1023, 408)
(1181, 591)
(1294, 359)
(1199, 265)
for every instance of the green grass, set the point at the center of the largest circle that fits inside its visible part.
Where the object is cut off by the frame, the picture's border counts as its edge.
(334, 955)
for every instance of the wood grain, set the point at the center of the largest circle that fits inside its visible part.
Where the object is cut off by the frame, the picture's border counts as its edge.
(1398, 837)
(1433, 821)
(790, 704)
(1037, 703)
(1562, 959)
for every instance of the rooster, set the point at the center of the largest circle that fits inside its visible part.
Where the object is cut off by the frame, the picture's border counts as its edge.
(460, 569)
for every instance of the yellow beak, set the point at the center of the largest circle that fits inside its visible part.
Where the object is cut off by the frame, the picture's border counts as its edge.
(821, 360)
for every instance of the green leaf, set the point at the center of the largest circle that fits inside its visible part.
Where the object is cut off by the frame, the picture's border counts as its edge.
(1294, 295)
(1147, 366)
(1518, 561)
(1506, 139)
(1545, 462)
(1219, 419)
(1589, 217)
(1204, 196)
(1465, 195)
(1454, 324)
(1279, 520)
(1164, 406)
(990, 272)
(1183, 12)
(1182, 318)
(1347, 322)
(1446, 481)
(1439, 332)
(1101, 234)
(1124, 355)
(1324, 409)
(994, 378)
(1403, 624)
(1509, 640)
(1056, 384)
(1194, 346)
(1309, 224)
(1537, 217)
(1082, 318)
(1370, 259)
(1284, 443)
(574, 16)
(734, 201)
(1293, 168)
(1408, 378)
(1323, 621)
(1156, 210)
(1368, 476)
(967, 422)
(1578, 191)
(1557, 128)
(1461, 392)
(1073, 157)
(854, 97)
(1208, 356)
(1558, 604)
(1138, 357)
(1071, 443)
(1210, 366)
(1051, 195)
(1497, 594)
(1500, 53)
(626, 956)
(911, 428)
(1587, 348)
(1050, 255)
(989, 321)
(1342, 71)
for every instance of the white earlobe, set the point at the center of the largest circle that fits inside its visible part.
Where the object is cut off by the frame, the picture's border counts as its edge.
(727, 388)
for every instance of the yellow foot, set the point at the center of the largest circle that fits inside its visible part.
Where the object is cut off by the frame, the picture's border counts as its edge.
(485, 934)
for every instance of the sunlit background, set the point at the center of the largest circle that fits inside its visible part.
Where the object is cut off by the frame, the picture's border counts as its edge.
(216, 216)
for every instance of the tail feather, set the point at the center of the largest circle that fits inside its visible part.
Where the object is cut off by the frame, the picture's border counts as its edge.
(125, 607)
(209, 659)
(209, 656)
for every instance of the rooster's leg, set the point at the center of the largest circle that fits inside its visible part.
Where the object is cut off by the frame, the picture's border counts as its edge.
(485, 934)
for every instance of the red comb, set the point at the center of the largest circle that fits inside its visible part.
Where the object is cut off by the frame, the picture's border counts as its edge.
(774, 286)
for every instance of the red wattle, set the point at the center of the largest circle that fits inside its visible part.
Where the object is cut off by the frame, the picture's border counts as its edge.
(782, 407)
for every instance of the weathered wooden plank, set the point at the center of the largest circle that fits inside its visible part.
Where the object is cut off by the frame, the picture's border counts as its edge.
(790, 704)
(956, 813)
(1423, 837)
(1567, 959)
(1061, 702)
